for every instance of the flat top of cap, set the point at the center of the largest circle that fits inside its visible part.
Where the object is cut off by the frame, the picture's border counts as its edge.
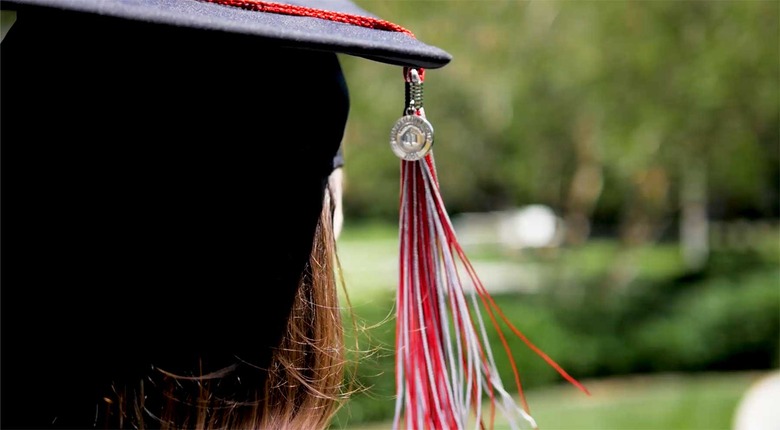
(291, 31)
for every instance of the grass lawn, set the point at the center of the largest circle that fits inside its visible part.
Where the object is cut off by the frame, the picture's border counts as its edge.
(670, 401)
(706, 401)
(369, 258)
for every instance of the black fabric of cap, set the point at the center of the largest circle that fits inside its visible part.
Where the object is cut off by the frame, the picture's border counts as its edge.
(159, 198)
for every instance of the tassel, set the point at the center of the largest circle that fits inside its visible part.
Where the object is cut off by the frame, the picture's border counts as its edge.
(444, 365)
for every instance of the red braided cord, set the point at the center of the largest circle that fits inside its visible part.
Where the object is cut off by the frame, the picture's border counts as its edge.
(310, 12)
(293, 10)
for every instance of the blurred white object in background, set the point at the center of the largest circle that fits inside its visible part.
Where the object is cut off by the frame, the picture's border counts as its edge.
(759, 408)
(532, 226)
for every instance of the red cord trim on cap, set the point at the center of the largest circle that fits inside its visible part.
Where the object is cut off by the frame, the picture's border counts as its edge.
(293, 10)
(310, 12)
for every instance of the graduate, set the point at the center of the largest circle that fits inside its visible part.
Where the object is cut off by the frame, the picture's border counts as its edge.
(167, 254)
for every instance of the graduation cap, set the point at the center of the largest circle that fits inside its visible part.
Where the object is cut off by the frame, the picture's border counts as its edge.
(164, 163)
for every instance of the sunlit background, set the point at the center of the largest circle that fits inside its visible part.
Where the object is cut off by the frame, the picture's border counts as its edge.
(612, 170)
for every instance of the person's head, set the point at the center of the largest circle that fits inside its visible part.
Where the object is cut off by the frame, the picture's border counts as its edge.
(166, 190)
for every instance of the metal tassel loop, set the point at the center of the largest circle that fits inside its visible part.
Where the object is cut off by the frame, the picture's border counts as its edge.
(411, 138)
(414, 92)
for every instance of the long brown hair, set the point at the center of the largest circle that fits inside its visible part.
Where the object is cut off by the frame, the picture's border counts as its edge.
(305, 379)
(304, 384)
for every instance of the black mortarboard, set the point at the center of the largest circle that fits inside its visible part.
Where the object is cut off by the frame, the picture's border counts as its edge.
(325, 33)
(163, 168)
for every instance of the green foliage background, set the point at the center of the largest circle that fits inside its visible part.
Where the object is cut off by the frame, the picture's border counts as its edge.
(723, 318)
(623, 114)
(635, 92)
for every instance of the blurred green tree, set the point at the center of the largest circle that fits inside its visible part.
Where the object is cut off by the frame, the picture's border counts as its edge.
(625, 113)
